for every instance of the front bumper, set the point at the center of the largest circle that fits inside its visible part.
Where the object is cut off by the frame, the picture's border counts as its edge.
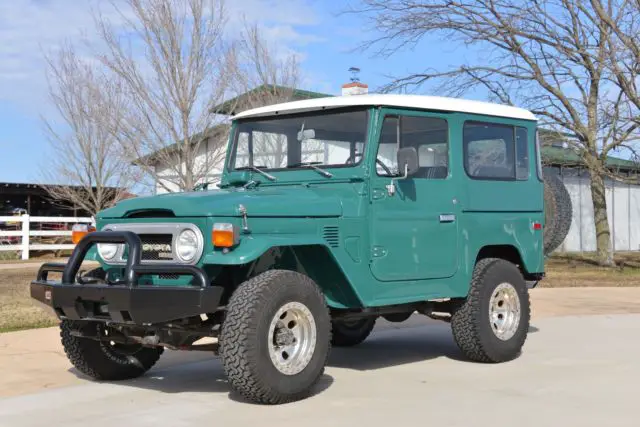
(124, 301)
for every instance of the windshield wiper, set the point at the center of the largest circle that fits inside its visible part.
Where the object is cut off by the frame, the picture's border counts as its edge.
(312, 165)
(257, 169)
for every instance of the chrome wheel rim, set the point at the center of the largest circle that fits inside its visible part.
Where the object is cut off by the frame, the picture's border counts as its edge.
(504, 311)
(292, 338)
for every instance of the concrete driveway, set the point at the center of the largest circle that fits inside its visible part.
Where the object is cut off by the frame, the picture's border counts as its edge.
(578, 370)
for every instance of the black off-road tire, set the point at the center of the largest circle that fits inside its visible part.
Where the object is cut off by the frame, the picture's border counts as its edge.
(348, 334)
(245, 341)
(558, 213)
(472, 329)
(98, 360)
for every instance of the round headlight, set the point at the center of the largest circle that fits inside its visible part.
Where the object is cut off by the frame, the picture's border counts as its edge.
(187, 245)
(107, 251)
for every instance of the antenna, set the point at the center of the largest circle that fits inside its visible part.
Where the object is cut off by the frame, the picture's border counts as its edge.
(354, 74)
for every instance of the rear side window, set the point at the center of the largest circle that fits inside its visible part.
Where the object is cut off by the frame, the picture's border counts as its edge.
(495, 151)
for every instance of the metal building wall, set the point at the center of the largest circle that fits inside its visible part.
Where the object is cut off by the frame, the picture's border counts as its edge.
(623, 208)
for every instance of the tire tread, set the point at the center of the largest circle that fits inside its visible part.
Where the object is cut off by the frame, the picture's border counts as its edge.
(237, 342)
(465, 322)
(86, 356)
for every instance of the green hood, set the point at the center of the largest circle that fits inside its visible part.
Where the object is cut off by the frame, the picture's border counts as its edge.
(265, 201)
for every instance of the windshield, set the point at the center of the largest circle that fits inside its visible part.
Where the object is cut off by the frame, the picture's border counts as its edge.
(319, 139)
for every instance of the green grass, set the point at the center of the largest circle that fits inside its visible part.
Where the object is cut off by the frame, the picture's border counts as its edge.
(17, 309)
(9, 256)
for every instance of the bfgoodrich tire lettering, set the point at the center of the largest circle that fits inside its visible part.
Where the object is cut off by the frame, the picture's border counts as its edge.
(470, 323)
(99, 360)
(245, 340)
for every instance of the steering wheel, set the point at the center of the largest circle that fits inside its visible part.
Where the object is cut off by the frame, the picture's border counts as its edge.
(378, 161)
(351, 158)
(383, 166)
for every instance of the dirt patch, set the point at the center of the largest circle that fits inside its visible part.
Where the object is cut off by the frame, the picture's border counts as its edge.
(580, 270)
(584, 301)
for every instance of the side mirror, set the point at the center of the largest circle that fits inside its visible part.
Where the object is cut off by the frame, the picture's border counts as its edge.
(407, 161)
(407, 166)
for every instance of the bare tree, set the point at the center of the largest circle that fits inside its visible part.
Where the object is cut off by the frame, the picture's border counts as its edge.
(261, 75)
(88, 161)
(555, 57)
(171, 84)
(623, 50)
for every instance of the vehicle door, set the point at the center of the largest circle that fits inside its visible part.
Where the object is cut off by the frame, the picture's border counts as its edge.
(414, 228)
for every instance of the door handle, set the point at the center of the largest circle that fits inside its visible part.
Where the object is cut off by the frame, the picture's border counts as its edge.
(447, 217)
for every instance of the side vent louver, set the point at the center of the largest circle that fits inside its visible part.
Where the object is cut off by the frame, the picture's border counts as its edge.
(332, 236)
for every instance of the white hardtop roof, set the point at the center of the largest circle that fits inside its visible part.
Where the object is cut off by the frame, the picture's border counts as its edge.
(421, 102)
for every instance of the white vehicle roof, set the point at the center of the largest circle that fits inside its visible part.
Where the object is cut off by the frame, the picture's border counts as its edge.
(421, 102)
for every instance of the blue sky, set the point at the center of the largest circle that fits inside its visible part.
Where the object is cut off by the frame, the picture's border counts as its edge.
(325, 42)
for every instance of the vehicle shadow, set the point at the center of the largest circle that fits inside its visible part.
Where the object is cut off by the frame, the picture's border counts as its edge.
(416, 340)
(398, 346)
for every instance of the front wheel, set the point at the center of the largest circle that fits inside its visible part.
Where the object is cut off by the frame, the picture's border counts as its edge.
(492, 324)
(275, 338)
(103, 359)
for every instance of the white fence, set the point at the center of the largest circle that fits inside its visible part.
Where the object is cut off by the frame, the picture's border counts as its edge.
(24, 230)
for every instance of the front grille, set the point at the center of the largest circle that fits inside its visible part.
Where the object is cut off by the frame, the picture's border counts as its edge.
(157, 240)
(156, 247)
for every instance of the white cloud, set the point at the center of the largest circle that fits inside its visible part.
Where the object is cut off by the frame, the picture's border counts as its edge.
(31, 28)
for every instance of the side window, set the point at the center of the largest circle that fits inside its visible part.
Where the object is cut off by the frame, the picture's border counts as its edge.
(522, 154)
(388, 147)
(428, 135)
(489, 151)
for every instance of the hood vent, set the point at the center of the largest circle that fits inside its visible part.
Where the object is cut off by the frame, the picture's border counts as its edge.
(332, 236)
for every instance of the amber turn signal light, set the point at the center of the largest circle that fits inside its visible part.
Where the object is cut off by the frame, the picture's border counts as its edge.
(224, 235)
(78, 231)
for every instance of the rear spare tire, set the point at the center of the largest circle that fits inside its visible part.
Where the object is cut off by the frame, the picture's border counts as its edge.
(558, 213)
(493, 322)
(275, 338)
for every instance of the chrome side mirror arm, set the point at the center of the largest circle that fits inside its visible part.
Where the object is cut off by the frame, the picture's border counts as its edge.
(391, 187)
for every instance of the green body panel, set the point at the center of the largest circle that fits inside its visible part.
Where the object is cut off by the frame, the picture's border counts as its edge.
(362, 246)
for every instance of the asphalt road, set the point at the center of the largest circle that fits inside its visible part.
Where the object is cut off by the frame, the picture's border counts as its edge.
(575, 371)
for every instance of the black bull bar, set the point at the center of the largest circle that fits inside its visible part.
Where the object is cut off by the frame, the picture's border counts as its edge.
(124, 301)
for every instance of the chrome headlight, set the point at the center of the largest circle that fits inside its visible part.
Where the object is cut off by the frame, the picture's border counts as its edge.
(187, 245)
(108, 251)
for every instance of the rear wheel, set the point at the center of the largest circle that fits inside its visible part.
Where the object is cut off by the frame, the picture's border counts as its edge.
(103, 359)
(275, 338)
(347, 333)
(493, 323)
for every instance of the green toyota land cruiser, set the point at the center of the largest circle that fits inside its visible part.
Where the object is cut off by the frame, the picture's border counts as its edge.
(331, 213)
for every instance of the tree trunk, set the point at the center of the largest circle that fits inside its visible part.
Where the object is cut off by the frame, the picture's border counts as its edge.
(603, 234)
